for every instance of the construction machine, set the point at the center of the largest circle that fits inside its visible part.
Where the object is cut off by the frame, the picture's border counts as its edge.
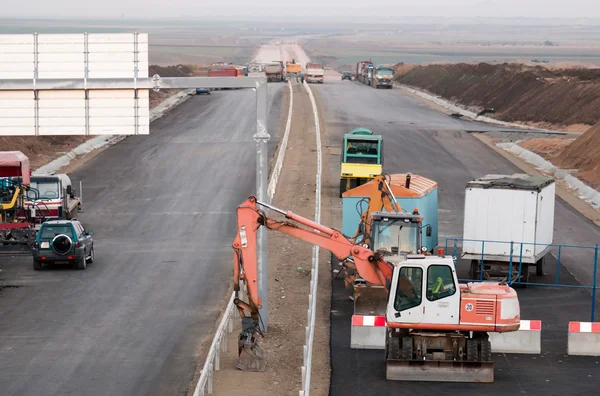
(17, 229)
(362, 158)
(437, 329)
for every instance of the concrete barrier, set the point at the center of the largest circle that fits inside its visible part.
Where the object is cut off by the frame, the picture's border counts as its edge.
(528, 339)
(584, 339)
(368, 332)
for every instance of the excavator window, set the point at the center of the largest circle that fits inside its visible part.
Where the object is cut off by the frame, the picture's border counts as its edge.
(409, 291)
(362, 152)
(440, 282)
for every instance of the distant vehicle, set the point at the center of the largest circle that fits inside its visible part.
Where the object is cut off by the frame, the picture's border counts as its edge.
(63, 242)
(200, 91)
(347, 76)
(314, 73)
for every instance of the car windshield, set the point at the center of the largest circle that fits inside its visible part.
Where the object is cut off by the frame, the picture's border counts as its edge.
(45, 189)
(49, 231)
(395, 233)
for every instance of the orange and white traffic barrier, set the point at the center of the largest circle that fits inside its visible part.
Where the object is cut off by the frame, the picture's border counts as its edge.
(368, 332)
(584, 339)
(528, 339)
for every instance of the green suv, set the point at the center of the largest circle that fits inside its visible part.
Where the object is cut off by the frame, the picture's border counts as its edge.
(63, 242)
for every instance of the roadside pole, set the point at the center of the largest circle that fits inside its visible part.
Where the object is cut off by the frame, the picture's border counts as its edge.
(262, 182)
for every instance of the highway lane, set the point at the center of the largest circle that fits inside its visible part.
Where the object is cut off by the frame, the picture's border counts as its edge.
(162, 208)
(421, 140)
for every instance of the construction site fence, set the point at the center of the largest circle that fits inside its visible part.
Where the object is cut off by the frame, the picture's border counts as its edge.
(584, 257)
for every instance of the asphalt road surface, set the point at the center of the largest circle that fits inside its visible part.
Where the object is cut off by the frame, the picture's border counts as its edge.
(420, 140)
(162, 208)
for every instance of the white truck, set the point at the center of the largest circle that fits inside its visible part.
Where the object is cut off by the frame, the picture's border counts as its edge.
(508, 211)
(314, 73)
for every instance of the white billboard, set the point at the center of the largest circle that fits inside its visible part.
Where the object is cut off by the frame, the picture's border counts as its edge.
(35, 57)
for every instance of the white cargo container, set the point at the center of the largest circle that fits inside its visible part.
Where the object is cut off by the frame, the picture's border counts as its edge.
(508, 208)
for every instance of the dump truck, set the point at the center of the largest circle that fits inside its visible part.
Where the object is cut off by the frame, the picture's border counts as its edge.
(360, 66)
(436, 328)
(315, 73)
(367, 74)
(223, 71)
(293, 71)
(274, 72)
(508, 218)
(381, 77)
(362, 158)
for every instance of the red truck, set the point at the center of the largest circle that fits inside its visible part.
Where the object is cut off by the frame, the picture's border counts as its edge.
(226, 71)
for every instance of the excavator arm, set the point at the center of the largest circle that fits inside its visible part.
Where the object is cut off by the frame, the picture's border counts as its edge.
(371, 266)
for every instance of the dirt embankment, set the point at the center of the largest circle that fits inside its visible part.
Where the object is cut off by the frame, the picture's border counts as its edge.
(43, 149)
(582, 154)
(517, 92)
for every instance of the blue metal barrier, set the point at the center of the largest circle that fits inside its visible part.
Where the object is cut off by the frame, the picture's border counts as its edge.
(517, 259)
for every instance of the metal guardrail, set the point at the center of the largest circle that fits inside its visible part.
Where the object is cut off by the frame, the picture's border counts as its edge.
(314, 274)
(219, 343)
(516, 261)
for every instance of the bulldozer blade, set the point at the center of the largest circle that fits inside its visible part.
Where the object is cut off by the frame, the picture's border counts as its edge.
(251, 358)
(439, 371)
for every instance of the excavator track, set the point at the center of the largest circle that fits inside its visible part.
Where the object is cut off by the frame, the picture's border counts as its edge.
(406, 360)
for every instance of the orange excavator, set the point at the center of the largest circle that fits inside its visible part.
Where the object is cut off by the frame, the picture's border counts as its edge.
(437, 329)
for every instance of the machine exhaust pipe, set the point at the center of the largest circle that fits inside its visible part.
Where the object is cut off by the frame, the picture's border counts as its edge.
(407, 183)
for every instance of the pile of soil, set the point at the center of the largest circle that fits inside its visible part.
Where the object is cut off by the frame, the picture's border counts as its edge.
(517, 92)
(583, 154)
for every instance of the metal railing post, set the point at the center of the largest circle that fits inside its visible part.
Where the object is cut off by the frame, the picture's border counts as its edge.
(481, 262)
(262, 183)
(558, 263)
(594, 284)
(510, 265)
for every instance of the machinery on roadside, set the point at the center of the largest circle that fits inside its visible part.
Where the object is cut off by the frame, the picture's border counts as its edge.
(315, 73)
(362, 158)
(17, 230)
(360, 69)
(27, 201)
(384, 223)
(274, 72)
(437, 329)
(381, 76)
(293, 71)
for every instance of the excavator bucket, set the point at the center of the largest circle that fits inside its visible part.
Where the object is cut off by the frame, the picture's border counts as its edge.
(250, 355)
(439, 371)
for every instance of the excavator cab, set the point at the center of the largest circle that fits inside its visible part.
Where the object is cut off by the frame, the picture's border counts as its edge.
(396, 233)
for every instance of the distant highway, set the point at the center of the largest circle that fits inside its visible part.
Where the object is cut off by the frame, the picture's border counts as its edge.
(424, 141)
(162, 210)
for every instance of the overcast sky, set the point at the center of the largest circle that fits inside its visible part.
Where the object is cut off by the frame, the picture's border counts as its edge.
(132, 9)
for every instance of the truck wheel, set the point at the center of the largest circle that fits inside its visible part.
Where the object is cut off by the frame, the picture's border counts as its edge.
(37, 266)
(472, 350)
(474, 270)
(91, 259)
(486, 351)
(81, 265)
(539, 267)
